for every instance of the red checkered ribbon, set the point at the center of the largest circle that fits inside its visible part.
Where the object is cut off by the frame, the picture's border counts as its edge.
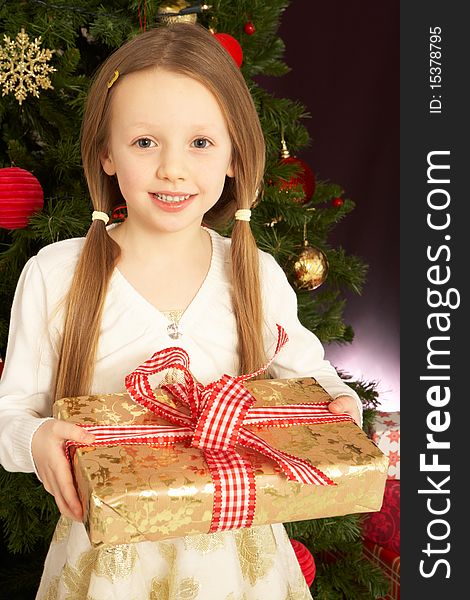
(215, 423)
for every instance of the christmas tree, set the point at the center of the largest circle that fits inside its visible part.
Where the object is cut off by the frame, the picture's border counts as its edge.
(47, 55)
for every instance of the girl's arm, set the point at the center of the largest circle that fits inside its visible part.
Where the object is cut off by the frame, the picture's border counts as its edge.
(303, 355)
(25, 401)
(30, 439)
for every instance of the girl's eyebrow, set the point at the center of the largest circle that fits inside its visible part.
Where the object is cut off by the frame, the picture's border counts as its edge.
(205, 126)
(140, 127)
(196, 126)
(142, 124)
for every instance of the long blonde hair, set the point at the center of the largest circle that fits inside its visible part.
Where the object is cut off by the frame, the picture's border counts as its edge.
(192, 51)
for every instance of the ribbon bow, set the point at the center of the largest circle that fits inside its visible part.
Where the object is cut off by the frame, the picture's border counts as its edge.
(218, 414)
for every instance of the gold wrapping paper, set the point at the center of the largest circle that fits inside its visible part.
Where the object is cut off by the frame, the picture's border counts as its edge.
(133, 493)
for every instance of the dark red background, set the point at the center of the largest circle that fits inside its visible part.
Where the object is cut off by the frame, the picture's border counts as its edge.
(345, 68)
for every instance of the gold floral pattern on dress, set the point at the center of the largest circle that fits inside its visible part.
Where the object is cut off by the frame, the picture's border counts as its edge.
(205, 543)
(169, 589)
(298, 590)
(256, 548)
(232, 596)
(53, 590)
(168, 551)
(62, 530)
(160, 589)
(115, 562)
(77, 580)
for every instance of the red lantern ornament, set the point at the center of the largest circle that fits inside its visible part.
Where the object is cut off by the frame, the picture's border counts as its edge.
(249, 28)
(232, 46)
(119, 213)
(337, 202)
(306, 561)
(305, 178)
(21, 196)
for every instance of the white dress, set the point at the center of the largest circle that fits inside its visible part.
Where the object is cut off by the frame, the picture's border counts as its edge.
(251, 564)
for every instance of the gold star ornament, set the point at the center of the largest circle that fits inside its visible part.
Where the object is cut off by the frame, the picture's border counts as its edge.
(24, 66)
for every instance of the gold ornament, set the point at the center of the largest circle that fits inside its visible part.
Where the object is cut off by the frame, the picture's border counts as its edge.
(24, 66)
(311, 267)
(170, 13)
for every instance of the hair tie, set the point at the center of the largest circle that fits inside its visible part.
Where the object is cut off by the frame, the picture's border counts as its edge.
(97, 215)
(243, 214)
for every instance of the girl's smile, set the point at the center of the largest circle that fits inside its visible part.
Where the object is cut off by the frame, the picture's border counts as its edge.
(172, 202)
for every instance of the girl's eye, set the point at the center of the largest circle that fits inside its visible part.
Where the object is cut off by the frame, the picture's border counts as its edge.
(201, 143)
(144, 143)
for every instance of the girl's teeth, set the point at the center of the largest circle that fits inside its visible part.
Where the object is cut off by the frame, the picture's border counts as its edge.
(172, 199)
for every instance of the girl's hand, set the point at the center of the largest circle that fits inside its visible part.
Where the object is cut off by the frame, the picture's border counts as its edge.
(48, 449)
(345, 404)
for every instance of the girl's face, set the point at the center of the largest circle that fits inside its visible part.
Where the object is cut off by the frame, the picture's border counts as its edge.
(169, 148)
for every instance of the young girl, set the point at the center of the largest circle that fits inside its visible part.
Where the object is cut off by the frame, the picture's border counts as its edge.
(171, 128)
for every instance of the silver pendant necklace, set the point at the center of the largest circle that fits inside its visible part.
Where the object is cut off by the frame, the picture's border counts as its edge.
(173, 328)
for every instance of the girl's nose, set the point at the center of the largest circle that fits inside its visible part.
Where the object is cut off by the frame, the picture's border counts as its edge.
(171, 165)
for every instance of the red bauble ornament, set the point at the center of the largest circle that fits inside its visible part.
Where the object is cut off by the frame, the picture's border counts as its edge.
(232, 46)
(249, 28)
(1, 368)
(21, 196)
(306, 561)
(305, 178)
(337, 202)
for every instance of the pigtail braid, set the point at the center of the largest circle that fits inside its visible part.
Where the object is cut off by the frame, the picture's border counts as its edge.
(246, 298)
(83, 312)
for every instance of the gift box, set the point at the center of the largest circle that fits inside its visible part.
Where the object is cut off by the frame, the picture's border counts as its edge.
(389, 562)
(386, 434)
(383, 527)
(243, 470)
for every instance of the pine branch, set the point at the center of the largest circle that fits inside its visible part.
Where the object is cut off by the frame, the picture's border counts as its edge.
(69, 217)
(349, 578)
(112, 32)
(365, 389)
(28, 512)
(331, 533)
